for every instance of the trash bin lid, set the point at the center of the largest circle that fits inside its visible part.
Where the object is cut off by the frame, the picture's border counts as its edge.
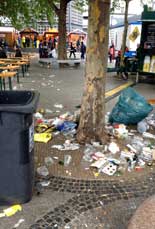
(19, 101)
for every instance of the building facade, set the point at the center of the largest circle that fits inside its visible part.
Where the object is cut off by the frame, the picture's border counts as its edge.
(74, 20)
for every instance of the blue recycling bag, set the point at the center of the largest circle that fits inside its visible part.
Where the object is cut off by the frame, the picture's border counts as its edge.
(131, 108)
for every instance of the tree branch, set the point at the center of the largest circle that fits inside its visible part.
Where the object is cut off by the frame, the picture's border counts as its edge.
(56, 9)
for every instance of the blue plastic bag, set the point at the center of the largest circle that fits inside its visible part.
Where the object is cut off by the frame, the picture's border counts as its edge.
(66, 126)
(131, 108)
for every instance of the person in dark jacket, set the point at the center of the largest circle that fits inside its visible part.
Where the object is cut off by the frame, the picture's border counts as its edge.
(41, 49)
(72, 50)
(2, 53)
(18, 53)
(83, 50)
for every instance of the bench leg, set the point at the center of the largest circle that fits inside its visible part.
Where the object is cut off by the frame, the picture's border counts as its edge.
(26, 67)
(4, 84)
(10, 83)
(1, 86)
(77, 65)
(17, 76)
(23, 70)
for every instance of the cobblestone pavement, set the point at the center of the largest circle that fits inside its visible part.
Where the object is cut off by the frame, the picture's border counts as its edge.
(80, 211)
(113, 215)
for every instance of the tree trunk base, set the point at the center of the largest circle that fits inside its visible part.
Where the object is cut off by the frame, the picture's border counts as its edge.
(85, 137)
(63, 65)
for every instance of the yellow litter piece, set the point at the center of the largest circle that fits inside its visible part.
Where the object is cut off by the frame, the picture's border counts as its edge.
(42, 128)
(42, 137)
(12, 210)
(96, 174)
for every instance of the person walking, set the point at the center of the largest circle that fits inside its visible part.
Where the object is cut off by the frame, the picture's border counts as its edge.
(72, 51)
(41, 49)
(83, 50)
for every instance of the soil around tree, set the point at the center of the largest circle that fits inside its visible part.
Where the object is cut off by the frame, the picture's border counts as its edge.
(78, 168)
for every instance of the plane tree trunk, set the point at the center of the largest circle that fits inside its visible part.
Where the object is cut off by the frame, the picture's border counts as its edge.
(91, 126)
(62, 54)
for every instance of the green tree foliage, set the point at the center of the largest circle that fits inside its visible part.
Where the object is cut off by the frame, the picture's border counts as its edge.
(17, 11)
(25, 12)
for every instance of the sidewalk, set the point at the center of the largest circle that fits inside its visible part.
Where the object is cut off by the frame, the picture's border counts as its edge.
(75, 198)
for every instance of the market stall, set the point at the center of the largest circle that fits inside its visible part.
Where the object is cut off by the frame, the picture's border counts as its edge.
(28, 37)
(51, 33)
(31, 33)
(76, 35)
(8, 34)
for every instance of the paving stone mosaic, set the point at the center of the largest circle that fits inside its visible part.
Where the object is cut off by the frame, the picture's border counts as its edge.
(109, 217)
(91, 196)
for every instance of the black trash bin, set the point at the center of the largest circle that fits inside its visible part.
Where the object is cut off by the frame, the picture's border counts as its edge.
(17, 145)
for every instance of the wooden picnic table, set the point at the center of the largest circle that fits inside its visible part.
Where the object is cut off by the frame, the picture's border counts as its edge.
(11, 68)
(3, 76)
(14, 59)
(17, 59)
(2, 62)
(23, 63)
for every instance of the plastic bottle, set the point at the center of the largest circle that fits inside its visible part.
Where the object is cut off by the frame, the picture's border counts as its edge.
(67, 160)
(48, 161)
(88, 152)
(142, 126)
(43, 171)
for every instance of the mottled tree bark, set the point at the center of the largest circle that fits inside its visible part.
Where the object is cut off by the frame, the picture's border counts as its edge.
(91, 126)
(62, 54)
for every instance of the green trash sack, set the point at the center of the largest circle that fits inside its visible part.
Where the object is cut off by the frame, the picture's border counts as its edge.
(131, 108)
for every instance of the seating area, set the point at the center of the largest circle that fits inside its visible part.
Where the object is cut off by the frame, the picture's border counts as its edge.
(11, 67)
(69, 62)
(47, 61)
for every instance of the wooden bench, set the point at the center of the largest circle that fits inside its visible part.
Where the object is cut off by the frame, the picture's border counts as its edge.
(10, 69)
(3, 76)
(70, 62)
(46, 61)
(17, 61)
